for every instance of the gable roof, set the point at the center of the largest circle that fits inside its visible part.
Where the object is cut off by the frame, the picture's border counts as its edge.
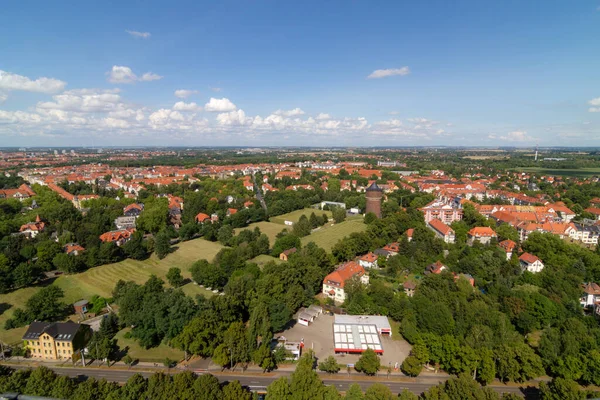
(435, 268)
(440, 227)
(369, 257)
(63, 331)
(343, 273)
(591, 288)
(507, 245)
(529, 258)
(482, 231)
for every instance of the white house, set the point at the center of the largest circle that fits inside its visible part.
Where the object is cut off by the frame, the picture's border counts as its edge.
(591, 294)
(369, 260)
(441, 230)
(334, 283)
(531, 263)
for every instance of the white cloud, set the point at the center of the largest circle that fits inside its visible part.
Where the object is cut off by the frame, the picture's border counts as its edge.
(123, 74)
(216, 89)
(383, 73)
(115, 123)
(9, 81)
(517, 136)
(596, 105)
(150, 76)
(143, 35)
(594, 102)
(492, 136)
(323, 117)
(234, 118)
(289, 113)
(182, 106)
(3, 96)
(184, 93)
(83, 101)
(220, 105)
(393, 113)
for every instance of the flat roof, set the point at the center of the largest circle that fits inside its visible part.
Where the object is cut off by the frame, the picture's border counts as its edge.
(381, 322)
(356, 338)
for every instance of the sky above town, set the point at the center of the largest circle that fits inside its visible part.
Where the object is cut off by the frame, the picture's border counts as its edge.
(310, 73)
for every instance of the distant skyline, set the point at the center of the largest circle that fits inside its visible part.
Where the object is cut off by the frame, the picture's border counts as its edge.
(314, 73)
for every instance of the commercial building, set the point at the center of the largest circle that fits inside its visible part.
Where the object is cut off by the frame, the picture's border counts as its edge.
(357, 333)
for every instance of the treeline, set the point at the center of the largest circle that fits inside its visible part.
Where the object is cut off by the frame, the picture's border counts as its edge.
(303, 384)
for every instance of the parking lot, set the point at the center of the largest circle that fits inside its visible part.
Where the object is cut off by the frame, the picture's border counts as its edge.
(319, 337)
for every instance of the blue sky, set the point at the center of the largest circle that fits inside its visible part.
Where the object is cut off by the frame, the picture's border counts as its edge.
(300, 73)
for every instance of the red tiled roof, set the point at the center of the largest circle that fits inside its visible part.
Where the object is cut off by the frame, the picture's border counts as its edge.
(201, 217)
(114, 236)
(369, 257)
(440, 226)
(436, 268)
(409, 232)
(591, 288)
(71, 247)
(528, 258)
(507, 245)
(343, 273)
(482, 231)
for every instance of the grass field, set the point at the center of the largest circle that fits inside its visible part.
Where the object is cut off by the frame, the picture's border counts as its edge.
(328, 236)
(583, 172)
(263, 259)
(156, 354)
(101, 280)
(268, 228)
(294, 216)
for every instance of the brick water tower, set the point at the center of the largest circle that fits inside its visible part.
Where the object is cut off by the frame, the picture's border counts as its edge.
(374, 194)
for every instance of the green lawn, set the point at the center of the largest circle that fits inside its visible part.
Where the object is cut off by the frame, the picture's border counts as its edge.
(156, 354)
(268, 228)
(328, 235)
(101, 280)
(583, 172)
(294, 216)
(263, 259)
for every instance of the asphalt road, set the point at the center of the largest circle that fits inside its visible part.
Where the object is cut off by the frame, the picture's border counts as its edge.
(259, 382)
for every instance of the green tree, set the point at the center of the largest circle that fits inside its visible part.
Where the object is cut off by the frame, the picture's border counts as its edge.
(411, 366)
(236, 341)
(561, 389)
(338, 214)
(225, 235)
(263, 357)
(40, 382)
(368, 362)
(128, 360)
(279, 390)
(234, 391)
(222, 356)
(330, 365)
(378, 391)
(162, 244)
(354, 392)
(62, 387)
(305, 383)
(174, 277)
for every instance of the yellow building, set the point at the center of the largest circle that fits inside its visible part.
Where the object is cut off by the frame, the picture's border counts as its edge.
(55, 340)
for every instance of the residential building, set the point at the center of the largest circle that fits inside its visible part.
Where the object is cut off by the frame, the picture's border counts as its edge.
(287, 253)
(531, 263)
(119, 237)
(409, 234)
(56, 340)
(369, 260)
(591, 294)
(73, 249)
(22, 193)
(201, 218)
(585, 233)
(508, 246)
(335, 282)
(133, 210)
(481, 234)
(442, 211)
(441, 230)
(435, 268)
(125, 222)
(32, 229)
(409, 288)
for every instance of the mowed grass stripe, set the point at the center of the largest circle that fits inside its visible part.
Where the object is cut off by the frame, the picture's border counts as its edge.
(101, 280)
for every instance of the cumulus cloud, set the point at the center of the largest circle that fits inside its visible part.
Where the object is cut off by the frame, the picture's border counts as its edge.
(323, 117)
(123, 74)
(595, 103)
(137, 34)
(220, 105)
(83, 100)
(289, 113)
(184, 93)
(182, 106)
(10, 81)
(517, 136)
(384, 73)
(216, 89)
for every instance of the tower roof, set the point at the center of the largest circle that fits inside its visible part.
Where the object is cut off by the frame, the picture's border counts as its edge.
(374, 188)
